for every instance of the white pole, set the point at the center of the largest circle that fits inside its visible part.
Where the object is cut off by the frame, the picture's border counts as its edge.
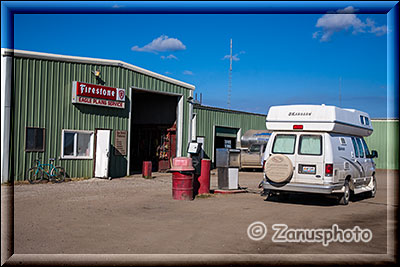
(230, 78)
(6, 77)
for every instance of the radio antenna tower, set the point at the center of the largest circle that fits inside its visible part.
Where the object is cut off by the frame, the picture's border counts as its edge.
(230, 79)
(340, 91)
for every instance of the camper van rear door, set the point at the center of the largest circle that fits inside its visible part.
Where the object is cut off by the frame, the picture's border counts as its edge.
(309, 158)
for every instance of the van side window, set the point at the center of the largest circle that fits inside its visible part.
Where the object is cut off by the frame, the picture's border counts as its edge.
(284, 144)
(365, 147)
(355, 147)
(360, 148)
(366, 121)
(310, 145)
(362, 120)
(342, 141)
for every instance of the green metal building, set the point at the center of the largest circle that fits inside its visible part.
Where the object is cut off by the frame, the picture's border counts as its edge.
(44, 122)
(215, 126)
(385, 140)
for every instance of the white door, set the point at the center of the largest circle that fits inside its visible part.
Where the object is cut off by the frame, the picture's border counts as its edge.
(103, 138)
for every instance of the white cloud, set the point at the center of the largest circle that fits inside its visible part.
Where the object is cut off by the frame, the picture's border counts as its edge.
(316, 34)
(161, 44)
(169, 57)
(234, 57)
(347, 10)
(188, 72)
(381, 30)
(345, 20)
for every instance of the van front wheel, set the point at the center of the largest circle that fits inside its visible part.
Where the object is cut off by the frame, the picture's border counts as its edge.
(344, 199)
(372, 193)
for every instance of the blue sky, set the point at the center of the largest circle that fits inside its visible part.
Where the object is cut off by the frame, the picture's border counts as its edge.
(280, 59)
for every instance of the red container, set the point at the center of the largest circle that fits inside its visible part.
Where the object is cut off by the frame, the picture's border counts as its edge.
(204, 178)
(146, 170)
(182, 186)
(182, 178)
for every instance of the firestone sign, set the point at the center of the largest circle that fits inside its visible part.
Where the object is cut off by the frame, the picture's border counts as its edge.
(93, 94)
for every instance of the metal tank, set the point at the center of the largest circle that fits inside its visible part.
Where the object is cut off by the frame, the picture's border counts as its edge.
(254, 137)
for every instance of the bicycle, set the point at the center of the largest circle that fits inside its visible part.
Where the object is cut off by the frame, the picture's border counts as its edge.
(45, 171)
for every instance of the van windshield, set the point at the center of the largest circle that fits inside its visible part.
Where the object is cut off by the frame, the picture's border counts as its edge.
(284, 144)
(310, 145)
(255, 148)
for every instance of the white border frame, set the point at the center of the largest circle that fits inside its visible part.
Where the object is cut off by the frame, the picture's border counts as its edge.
(75, 140)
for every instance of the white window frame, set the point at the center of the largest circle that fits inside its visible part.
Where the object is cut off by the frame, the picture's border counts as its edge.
(75, 143)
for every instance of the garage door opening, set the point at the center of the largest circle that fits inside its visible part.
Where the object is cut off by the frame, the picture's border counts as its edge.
(153, 130)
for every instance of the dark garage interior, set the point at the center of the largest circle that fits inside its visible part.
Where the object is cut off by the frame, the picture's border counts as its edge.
(153, 132)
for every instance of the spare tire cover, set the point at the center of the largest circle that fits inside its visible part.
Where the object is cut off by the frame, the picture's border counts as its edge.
(278, 168)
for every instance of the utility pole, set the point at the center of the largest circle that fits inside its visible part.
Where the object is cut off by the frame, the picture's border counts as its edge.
(340, 91)
(230, 79)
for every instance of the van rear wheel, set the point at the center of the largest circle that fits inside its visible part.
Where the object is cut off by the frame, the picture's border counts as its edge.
(345, 197)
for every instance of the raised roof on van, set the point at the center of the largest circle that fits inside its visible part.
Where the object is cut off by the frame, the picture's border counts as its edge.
(319, 118)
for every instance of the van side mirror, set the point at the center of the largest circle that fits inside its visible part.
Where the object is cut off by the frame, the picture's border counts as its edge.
(374, 154)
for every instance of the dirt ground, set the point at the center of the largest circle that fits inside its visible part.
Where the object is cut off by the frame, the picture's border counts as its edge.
(132, 215)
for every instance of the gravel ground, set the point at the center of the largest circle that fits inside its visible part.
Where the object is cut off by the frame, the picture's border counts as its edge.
(132, 215)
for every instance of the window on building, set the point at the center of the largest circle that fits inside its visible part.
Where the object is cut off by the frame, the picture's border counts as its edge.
(34, 139)
(77, 144)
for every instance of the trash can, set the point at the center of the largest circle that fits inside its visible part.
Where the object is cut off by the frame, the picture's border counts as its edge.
(182, 178)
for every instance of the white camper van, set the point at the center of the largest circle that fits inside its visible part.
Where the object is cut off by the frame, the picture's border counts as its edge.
(318, 149)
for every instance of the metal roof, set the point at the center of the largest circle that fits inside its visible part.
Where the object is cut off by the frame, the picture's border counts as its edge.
(200, 106)
(56, 57)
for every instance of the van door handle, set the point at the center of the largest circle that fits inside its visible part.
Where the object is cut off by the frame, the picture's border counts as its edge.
(108, 154)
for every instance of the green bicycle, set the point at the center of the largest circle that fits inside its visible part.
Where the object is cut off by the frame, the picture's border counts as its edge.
(45, 171)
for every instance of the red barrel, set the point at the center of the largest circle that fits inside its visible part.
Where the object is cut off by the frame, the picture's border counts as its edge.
(182, 178)
(182, 186)
(204, 178)
(146, 170)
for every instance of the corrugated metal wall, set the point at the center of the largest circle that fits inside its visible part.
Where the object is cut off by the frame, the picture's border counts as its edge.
(385, 140)
(208, 117)
(41, 97)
